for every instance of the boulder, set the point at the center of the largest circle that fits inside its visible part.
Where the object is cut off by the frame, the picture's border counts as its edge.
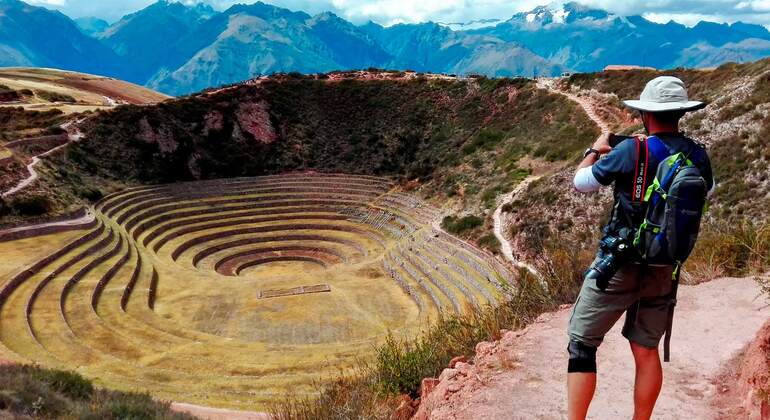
(454, 361)
(427, 386)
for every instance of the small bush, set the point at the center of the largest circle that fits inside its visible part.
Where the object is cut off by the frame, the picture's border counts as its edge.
(49, 96)
(455, 225)
(70, 384)
(31, 205)
(89, 193)
(490, 242)
(29, 391)
(485, 140)
(729, 249)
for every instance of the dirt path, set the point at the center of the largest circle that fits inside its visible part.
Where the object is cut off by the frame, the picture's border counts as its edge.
(522, 376)
(587, 105)
(73, 134)
(86, 219)
(208, 413)
(499, 227)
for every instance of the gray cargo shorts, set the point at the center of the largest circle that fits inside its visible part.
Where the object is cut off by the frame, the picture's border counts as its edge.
(645, 301)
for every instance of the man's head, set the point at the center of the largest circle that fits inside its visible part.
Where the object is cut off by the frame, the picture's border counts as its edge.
(663, 103)
(661, 122)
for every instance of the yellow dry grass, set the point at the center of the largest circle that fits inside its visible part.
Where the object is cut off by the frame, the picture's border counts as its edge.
(91, 92)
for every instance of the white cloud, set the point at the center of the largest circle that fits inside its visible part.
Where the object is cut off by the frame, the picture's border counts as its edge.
(49, 2)
(395, 11)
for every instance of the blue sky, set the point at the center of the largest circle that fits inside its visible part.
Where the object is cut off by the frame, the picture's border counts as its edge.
(395, 11)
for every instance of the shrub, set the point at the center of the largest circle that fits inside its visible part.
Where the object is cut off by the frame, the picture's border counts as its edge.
(490, 242)
(91, 194)
(31, 205)
(29, 391)
(729, 249)
(70, 384)
(455, 225)
(485, 140)
(50, 96)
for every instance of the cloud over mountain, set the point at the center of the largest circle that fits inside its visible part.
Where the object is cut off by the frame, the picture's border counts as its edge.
(180, 48)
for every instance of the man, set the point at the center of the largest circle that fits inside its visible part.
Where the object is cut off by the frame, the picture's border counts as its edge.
(642, 292)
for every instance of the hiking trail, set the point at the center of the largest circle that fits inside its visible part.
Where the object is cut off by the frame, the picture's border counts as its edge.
(586, 104)
(497, 217)
(498, 226)
(74, 135)
(522, 376)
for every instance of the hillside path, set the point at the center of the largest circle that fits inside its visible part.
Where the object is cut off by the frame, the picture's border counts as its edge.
(586, 104)
(74, 135)
(499, 229)
(522, 376)
(84, 220)
(208, 413)
(497, 219)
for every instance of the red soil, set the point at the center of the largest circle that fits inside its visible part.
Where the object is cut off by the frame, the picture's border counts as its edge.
(523, 374)
(743, 386)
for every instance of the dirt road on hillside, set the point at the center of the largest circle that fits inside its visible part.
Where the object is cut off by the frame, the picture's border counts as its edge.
(499, 227)
(497, 217)
(208, 413)
(73, 136)
(522, 376)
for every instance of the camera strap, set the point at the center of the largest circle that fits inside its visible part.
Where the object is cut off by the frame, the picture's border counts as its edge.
(640, 171)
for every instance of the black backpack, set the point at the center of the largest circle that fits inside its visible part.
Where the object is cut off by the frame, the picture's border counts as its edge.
(675, 203)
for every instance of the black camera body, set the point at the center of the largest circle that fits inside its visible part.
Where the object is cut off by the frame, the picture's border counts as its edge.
(616, 251)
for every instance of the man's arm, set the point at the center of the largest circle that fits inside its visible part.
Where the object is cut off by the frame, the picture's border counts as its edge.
(585, 181)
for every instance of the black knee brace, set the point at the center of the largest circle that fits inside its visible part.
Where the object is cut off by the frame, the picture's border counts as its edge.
(582, 357)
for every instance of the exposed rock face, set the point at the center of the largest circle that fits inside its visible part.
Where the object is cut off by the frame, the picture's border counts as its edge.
(162, 136)
(253, 118)
(213, 121)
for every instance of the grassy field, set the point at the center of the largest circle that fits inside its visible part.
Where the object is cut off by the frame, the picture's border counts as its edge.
(45, 89)
(162, 296)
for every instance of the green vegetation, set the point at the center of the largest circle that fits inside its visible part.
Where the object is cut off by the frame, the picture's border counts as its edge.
(51, 96)
(730, 249)
(26, 205)
(17, 119)
(702, 84)
(490, 243)
(7, 94)
(461, 225)
(28, 391)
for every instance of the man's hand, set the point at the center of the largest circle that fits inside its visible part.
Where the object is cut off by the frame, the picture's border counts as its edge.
(602, 144)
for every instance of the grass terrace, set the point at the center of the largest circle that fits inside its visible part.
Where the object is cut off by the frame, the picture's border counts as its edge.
(173, 291)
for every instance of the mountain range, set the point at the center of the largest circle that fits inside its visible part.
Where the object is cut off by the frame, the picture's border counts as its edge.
(178, 48)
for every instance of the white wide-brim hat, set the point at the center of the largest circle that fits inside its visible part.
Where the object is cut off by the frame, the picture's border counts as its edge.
(664, 93)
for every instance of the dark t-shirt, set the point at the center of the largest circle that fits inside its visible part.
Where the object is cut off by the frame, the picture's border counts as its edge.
(619, 167)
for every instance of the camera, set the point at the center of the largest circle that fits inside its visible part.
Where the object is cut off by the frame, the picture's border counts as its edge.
(616, 251)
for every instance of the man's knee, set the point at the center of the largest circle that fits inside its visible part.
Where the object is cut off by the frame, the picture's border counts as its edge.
(644, 353)
(582, 357)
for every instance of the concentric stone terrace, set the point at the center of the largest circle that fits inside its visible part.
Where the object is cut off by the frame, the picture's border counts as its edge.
(232, 293)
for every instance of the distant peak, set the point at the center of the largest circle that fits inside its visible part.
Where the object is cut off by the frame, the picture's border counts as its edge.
(560, 13)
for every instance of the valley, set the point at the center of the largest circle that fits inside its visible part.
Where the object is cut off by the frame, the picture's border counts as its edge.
(231, 247)
(160, 291)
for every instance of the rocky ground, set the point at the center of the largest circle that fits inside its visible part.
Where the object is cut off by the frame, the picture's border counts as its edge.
(522, 375)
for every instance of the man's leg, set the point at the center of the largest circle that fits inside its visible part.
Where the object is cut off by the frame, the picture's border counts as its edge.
(581, 379)
(649, 380)
(593, 315)
(580, 392)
